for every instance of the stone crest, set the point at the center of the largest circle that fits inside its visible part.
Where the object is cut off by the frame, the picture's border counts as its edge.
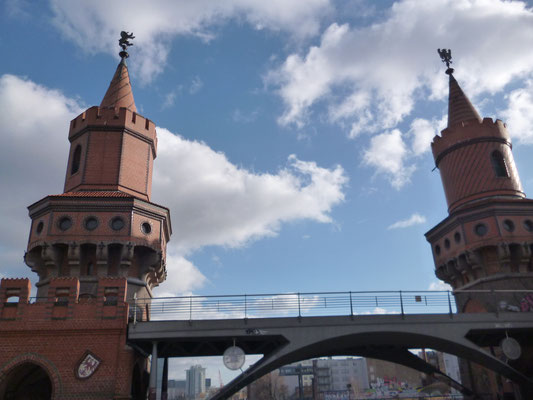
(87, 366)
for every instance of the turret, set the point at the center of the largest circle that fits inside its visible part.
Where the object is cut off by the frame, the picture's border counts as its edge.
(103, 224)
(486, 240)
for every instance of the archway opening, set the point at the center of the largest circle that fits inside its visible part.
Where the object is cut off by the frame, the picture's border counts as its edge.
(27, 381)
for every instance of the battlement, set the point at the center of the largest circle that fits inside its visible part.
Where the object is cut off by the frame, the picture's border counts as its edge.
(113, 117)
(63, 302)
(469, 131)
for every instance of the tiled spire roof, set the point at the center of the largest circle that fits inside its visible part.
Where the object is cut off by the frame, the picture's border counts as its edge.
(459, 107)
(119, 93)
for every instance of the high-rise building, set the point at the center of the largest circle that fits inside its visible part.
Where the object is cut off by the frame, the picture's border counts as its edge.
(195, 381)
(485, 243)
(94, 246)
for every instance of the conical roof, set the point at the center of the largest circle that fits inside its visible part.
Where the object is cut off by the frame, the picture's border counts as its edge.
(459, 107)
(119, 93)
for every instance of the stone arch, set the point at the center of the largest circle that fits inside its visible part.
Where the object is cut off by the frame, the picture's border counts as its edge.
(36, 359)
(139, 382)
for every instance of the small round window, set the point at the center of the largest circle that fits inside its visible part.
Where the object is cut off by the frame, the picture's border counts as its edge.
(528, 225)
(437, 250)
(481, 229)
(117, 224)
(508, 225)
(65, 223)
(447, 243)
(146, 228)
(91, 223)
(40, 227)
(457, 237)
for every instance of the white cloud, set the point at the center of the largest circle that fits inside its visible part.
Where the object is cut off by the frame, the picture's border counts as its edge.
(439, 285)
(218, 203)
(371, 76)
(196, 85)
(519, 114)
(94, 25)
(33, 157)
(387, 153)
(422, 133)
(415, 219)
(212, 201)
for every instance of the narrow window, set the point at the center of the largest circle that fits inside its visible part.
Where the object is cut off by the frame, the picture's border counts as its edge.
(76, 160)
(90, 269)
(498, 163)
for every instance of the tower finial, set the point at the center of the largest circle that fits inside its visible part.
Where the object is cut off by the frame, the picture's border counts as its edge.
(446, 57)
(125, 43)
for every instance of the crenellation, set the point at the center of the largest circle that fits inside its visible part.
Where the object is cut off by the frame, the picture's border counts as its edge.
(112, 117)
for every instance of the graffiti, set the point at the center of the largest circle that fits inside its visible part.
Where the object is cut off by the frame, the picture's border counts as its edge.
(526, 304)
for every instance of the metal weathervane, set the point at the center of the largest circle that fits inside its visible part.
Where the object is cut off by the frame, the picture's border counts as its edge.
(446, 57)
(124, 43)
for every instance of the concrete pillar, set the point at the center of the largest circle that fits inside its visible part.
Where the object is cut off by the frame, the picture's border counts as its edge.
(152, 391)
(164, 383)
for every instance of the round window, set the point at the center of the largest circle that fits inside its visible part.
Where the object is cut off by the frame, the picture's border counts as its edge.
(446, 243)
(457, 237)
(508, 225)
(481, 229)
(65, 223)
(437, 249)
(40, 227)
(90, 223)
(146, 228)
(117, 224)
(528, 225)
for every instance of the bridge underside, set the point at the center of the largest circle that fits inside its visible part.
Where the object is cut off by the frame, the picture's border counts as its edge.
(387, 337)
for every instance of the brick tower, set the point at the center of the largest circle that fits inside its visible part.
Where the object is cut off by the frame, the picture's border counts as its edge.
(94, 247)
(486, 241)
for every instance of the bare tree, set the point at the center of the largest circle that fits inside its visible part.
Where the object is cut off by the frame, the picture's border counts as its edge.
(268, 387)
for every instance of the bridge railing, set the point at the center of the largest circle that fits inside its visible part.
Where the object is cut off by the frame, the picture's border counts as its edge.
(293, 305)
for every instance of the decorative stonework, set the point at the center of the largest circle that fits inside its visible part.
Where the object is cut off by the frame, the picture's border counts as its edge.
(87, 366)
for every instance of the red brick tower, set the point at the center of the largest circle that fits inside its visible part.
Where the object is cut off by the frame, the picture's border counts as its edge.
(486, 241)
(94, 247)
(104, 223)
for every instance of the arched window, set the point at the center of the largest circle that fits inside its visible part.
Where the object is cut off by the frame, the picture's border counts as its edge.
(76, 160)
(499, 165)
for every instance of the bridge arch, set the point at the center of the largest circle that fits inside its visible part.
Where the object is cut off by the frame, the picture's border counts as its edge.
(388, 345)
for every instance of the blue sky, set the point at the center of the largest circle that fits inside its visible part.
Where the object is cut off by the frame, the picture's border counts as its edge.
(293, 135)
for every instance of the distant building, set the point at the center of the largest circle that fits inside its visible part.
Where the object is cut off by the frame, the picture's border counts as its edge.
(176, 389)
(195, 381)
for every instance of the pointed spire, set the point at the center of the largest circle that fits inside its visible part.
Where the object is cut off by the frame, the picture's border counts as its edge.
(459, 106)
(119, 93)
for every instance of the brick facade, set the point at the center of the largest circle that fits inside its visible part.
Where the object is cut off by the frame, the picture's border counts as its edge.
(57, 332)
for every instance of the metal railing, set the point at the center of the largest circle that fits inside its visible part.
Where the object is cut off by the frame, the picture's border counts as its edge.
(293, 305)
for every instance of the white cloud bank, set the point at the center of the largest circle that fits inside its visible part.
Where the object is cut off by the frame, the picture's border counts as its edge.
(212, 201)
(415, 219)
(94, 25)
(370, 78)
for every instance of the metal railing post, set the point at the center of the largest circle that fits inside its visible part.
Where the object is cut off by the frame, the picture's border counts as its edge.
(299, 309)
(450, 304)
(134, 308)
(245, 307)
(401, 303)
(190, 308)
(351, 304)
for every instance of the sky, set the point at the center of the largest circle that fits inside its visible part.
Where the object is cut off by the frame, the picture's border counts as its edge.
(294, 136)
